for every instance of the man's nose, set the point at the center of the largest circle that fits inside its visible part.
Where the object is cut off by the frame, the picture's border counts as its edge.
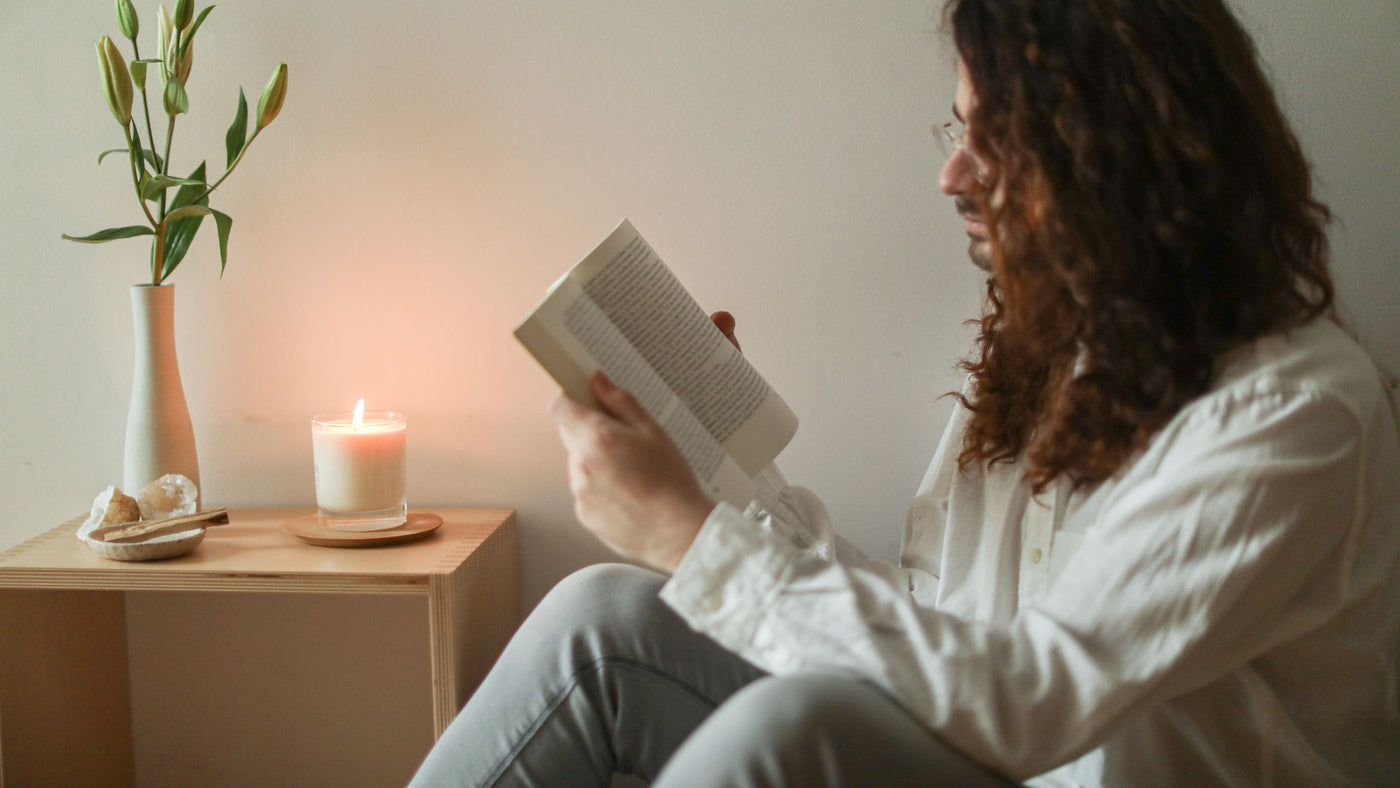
(959, 174)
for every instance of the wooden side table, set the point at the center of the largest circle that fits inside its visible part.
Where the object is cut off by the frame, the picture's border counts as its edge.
(65, 706)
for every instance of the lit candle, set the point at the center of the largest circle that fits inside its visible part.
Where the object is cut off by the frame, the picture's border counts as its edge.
(360, 465)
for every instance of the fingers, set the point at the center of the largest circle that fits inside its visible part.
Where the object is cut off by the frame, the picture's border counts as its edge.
(571, 416)
(615, 404)
(725, 323)
(618, 402)
(566, 409)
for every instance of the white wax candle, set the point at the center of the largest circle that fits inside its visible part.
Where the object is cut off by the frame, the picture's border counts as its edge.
(360, 467)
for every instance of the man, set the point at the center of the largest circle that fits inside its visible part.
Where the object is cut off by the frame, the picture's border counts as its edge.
(1159, 543)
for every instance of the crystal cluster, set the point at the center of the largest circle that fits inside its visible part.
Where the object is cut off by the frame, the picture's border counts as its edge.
(171, 495)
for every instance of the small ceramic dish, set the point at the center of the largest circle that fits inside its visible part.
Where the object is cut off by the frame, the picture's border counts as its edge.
(165, 546)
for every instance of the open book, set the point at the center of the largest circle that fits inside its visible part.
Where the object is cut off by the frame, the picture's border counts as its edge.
(621, 310)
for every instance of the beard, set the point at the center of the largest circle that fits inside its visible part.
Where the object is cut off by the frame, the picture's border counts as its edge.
(980, 253)
(980, 249)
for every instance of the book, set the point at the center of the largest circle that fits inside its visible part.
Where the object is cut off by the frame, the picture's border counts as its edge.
(622, 310)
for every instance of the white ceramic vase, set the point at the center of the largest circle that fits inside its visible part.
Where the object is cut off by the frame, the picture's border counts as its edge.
(159, 435)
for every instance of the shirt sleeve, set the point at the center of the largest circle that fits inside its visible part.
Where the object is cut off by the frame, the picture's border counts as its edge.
(1230, 535)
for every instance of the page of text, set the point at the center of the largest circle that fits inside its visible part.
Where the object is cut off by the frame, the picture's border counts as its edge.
(650, 307)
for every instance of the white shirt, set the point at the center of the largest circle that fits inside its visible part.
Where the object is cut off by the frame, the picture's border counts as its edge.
(1224, 611)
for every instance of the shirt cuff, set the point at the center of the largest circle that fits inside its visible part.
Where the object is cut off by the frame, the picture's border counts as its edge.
(768, 486)
(723, 583)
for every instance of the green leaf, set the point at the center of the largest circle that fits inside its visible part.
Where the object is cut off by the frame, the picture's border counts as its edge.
(179, 234)
(166, 181)
(225, 223)
(194, 29)
(148, 188)
(151, 186)
(138, 161)
(148, 155)
(139, 69)
(190, 188)
(138, 74)
(112, 234)
(238, 132)
(177, 242)
(187, 211)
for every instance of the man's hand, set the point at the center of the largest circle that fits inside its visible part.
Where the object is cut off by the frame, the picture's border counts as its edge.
(725, 323)
(631, 486)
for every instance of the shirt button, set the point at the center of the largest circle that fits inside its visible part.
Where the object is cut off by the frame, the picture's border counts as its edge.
(1036, 555)
(709, 604)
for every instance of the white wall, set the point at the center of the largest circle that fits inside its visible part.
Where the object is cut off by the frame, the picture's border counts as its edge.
(438, 164)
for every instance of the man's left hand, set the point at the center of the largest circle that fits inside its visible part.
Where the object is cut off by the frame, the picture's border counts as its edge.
(631, 486)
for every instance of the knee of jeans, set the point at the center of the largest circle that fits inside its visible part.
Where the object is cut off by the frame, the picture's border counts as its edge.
(786, 710)
(603, 596)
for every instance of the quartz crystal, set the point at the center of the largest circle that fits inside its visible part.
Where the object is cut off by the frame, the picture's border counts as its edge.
(169, 496)
(110, 507)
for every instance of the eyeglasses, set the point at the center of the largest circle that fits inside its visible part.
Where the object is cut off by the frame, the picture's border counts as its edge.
(951, 137)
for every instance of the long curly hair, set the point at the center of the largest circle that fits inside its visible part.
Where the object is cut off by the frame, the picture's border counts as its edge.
(1149, 210)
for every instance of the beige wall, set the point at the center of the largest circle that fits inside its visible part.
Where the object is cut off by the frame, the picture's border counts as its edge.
(438, 164)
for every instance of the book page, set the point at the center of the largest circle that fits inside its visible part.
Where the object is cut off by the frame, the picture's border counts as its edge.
(656, 314)
(621, 309)
(590, 343)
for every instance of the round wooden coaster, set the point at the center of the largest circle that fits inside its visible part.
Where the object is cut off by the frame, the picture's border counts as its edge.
(310, 530)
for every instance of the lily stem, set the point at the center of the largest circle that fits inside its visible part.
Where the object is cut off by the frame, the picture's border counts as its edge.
(228, 171)
(145, 104)
(155, 225)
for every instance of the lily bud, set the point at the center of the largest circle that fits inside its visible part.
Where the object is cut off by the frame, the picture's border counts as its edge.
(165, 34)
(175, 100)
(184, 14)
(116, 80)
(272, 96)
(184, 63)
(126, 19)
(173, 66)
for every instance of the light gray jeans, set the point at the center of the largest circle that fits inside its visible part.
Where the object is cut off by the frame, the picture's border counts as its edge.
(603, 678)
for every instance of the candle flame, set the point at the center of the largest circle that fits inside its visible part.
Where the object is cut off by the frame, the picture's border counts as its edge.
(359, 414)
